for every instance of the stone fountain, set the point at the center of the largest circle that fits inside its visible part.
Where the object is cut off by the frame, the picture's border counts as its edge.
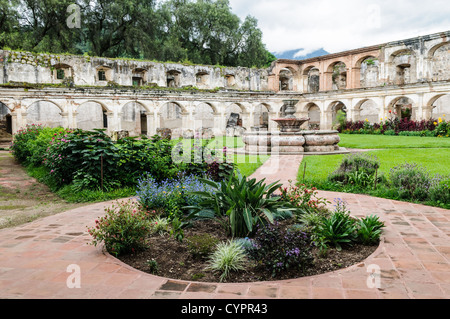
(292, 139)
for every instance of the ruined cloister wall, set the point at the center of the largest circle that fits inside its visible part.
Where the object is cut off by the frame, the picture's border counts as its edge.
(373, 81)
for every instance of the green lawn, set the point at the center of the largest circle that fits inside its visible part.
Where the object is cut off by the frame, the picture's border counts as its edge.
(435, 160)
(366, 141)
(430, 152)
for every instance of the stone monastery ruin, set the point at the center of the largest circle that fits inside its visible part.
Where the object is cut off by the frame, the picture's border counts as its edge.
(140, 97)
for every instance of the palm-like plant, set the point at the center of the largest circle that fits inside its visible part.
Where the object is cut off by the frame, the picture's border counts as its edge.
(245, 202)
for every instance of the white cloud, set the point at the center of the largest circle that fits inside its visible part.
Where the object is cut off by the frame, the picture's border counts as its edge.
(342, 25)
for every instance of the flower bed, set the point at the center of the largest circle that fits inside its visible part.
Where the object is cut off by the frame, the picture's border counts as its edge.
(238, 230)
(395, 126)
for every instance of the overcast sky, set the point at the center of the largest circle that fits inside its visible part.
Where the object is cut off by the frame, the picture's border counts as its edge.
(339, 25)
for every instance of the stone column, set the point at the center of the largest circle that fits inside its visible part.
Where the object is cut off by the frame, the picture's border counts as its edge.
(14, 125)
(112, 125)
(150, 124)
(74, 120)
(65, 119)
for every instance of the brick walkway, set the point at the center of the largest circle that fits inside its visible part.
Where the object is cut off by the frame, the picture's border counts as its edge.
(413, 259)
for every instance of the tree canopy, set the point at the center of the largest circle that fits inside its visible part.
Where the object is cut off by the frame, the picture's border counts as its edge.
(198, 31)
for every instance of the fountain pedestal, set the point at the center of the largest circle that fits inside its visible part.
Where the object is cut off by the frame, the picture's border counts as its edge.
(292, 140)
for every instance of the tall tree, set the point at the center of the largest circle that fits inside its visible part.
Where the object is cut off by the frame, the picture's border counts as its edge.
(44, 27)
(110, 27)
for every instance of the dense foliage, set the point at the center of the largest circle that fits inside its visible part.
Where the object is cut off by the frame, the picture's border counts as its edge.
(201, 32)
(395, 126)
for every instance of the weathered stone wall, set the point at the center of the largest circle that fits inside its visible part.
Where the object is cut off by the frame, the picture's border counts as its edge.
(97, 92)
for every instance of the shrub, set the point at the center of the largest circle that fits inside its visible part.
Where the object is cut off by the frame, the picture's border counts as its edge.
(337, 229)
(439, 192)
(228, 256)
(201, 245)
(369, 230)
(303, 198)
(357, 169)
(123, 229)
(278, 251)
(22, 138)
(245, 203)
(411, 181)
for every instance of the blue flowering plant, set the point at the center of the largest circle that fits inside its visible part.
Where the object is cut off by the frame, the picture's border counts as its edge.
(170, 196)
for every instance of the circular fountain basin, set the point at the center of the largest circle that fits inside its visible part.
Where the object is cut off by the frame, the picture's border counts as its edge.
(293, 143)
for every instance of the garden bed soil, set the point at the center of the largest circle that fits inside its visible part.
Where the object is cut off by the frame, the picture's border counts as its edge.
(174, 260)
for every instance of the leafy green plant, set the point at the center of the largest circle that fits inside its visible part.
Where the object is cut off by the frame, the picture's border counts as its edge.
(160, 225)
(153, 266)
(123, 229)
(244, 202)
(336, 230)
(369, 230)
(228, 256)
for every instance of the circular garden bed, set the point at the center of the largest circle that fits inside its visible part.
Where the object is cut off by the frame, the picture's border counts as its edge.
(169, 258)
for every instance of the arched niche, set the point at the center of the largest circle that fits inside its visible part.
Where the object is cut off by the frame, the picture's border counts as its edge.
(133, 119)
(338, 72)
(368, 110)
(46, 113)
(403, 64)
(204, 116)
(261, 117)
(312, 79)
(403, 107)
(440, 60)
(92, 115)
(314, 116)
(440, 107)
(369, 71)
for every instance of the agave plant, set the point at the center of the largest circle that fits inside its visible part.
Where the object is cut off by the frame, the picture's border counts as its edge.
(244, 202)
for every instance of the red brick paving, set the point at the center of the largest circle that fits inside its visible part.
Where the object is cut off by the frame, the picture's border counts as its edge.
(413, 257)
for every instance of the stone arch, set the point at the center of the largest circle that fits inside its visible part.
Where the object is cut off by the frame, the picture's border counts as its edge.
(286, 78)
(204, 115)
(439, 56)
(171, 117)
(311, 75)
(201, 79)
(333, 109)
(44, 112)
(314, 115)
(369, 69)
(103, 73)
(133, 118)
(398, 107)
(92, 114)
(139, 76)
(234, 115)
(337, 72)
(62, 71)
(403, 64)
(5, 119)
(439, 106)
(261, 116)
(367, 109)
(173, 78)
